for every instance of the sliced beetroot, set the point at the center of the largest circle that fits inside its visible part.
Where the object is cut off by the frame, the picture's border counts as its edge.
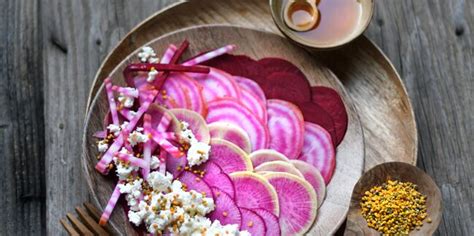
(239, 65)
(226, 210)
(314, 113)
(330, 101)
(217, 84)
(265, 155)
(286, 86)
(229, 157)
(254, 192)
(318, 150)
(251, 86)
(175, 96)
(194, 182)
(231, 111)
(298, 207)
(192, 91)
(273, 64)
(175, 165)
(254, 104)
(215, 177)
(278, 166)
(252, 222)
(197, 124)
(312, 175)
(286, 127)
(231, 133)
(271, 222)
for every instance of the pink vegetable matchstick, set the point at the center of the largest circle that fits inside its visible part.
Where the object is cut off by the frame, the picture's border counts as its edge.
(147, 147)
(112, 104)
(209, 55)
(125, 157)
(110, 205)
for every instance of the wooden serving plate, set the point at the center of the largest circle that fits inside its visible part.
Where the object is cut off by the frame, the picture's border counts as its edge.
(256, 44)
(368, 76)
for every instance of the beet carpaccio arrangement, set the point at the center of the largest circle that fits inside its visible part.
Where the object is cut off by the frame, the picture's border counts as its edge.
(219, 144)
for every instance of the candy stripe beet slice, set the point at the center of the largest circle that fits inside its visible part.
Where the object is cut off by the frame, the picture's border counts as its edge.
(192, 91)
(226, 211)
(314, 113)
(254, 192)
(197, 124)
(231, 133)
(318, 150)
(231, 111)
(312, 175)
(298, 207)
(217, 84)
(229, 157)
(252, 222)
(271, 222)
(254, 104)
(216, 177)
(330, 101)
(265, 155)
(286, 127)
(251, 86)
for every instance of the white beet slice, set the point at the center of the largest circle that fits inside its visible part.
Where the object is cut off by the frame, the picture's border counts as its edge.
(318, 150)
(265, 155)
(278, 166)
(286, 127)
(196, 122)
(298, 203)
(231, 133)
(229, 157)
(312, 175)
(254, 192)
(232, 111)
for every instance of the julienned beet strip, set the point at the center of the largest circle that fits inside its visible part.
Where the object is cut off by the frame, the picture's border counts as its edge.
(146, 67)
(161, 78)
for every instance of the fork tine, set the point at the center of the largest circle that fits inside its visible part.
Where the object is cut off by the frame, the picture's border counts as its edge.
(71, 231)
(79, 225)
(95, 213)
(90, 222)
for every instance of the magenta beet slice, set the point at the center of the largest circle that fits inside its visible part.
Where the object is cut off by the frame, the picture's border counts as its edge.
(314, 113)
(271, 222)
(239, 65)
(252, 222)
(330, 101)
(226, 210)
(286, 127)
(229, 157)
(318, 150)
(232, 111)
(287, 86)
(194, 182)
(215, 177)
(175, 165)
(251, 86)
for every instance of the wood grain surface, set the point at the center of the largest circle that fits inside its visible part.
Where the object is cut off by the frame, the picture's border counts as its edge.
(350, 153)
(429, 42)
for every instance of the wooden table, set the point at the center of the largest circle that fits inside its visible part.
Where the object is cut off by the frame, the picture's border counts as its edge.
(51, 49)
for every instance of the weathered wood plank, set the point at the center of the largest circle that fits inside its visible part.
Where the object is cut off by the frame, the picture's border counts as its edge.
(432, 45)
(21, 120)
(76, 35)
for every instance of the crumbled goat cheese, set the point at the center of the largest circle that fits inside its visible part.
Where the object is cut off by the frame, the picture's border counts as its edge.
(152, 75)
(102, 146)
(159, 181)
(155, 162)
(124, 125)
(123, 170)
(114, 129)
(198, 153)
(146, 53)
(132, 91)
(133, 191)
(125, 100)
(137, 137)
(154, 60)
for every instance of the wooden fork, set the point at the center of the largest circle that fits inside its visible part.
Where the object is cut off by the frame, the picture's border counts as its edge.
(87, 225)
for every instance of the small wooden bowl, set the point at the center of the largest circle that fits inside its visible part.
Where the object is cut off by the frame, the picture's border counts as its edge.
(356, 224)
(277, 7)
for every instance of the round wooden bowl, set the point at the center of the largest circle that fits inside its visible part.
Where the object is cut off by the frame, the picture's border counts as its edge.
(357, 225)
(277, 8)
(256, 44)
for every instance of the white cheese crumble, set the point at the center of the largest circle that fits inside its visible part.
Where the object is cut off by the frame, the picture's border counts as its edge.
(155, 162)
(198, 152)
(102, 146)
(154, 60)
(152, 75)
(137, 137)
(126, 101)
(159, 182)
(114, 129)
(123, 170)
(146, 53)
(133, 191)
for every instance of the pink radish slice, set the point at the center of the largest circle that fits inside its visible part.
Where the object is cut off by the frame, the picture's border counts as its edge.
(278, 166)
(252, 222)
(197, 124)
(193, 182)
(175, 165)
(226, 211)
(265, 155)
(215, 177)
(271, 222)
(298, 207)
(254, 104)
(192, 91)
(217, 84)
(286, 127)
(253, 192)
(318, 150)
(231, 133)
(231, 111)
(229, 157)
(312, 175)
(251, 86)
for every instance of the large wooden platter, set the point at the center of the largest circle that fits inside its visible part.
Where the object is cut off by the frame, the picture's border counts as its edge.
(370, 79)
(257, 44)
